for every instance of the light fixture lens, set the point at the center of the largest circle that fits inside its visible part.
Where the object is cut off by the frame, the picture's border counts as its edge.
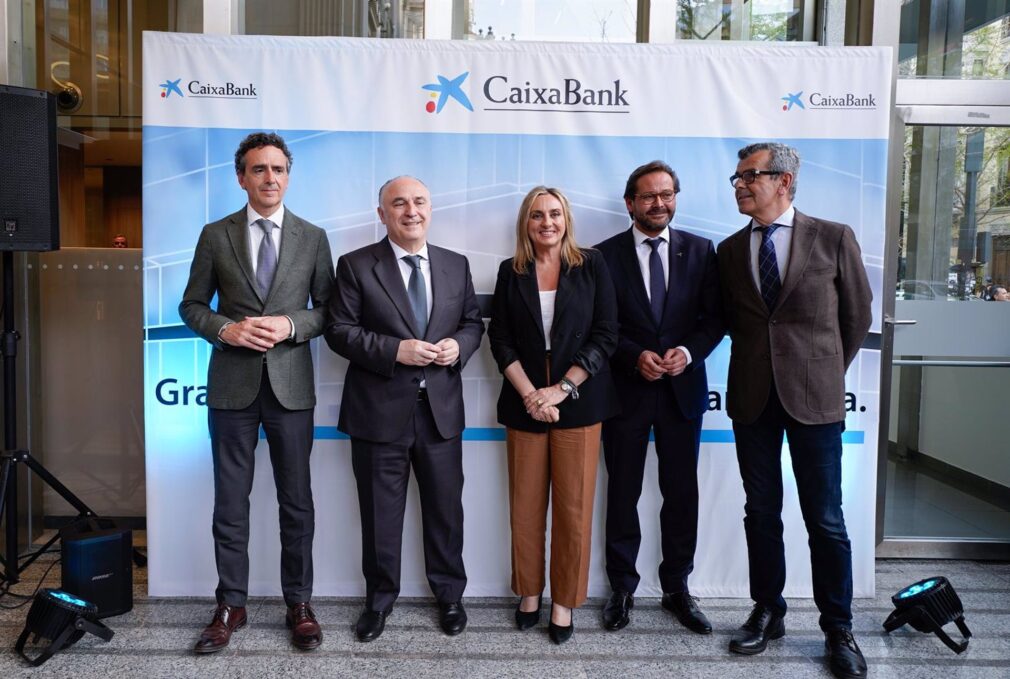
(69, 598)
(917, 588)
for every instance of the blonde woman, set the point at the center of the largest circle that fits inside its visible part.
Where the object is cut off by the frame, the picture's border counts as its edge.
(553, 328)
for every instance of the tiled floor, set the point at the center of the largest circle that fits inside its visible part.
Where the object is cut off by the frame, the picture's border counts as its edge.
(155, 638)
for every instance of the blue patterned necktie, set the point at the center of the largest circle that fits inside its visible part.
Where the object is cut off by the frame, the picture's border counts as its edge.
(768, 267)
(417, 294)
(657, 282)
(266, 258)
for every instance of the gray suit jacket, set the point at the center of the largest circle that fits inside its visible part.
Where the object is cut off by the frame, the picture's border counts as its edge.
(808, 340)
(369, 314)
(222, 265)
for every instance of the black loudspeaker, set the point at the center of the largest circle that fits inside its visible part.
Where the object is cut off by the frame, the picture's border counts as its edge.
(29, 191)
(97, 565)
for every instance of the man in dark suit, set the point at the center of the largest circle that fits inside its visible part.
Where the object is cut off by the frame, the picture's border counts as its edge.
(405, 315)
(669, 316)
(796, 301)
(265, 265)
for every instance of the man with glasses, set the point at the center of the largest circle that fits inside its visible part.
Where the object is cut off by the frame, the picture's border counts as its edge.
(796, 301)
(669, 315)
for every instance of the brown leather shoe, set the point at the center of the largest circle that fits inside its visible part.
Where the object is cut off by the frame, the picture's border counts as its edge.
(218, 633)
(305, 631)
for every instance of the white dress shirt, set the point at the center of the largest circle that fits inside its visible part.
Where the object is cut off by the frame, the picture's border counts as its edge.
(406, 268)
(256, 233)
(782, 239)
(643, 251)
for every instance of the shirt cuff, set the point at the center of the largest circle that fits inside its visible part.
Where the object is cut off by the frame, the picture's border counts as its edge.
(686, 353)
(221, 331)
(292, 335)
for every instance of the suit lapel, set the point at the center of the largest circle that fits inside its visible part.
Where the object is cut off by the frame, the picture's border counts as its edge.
(804, 235)
(633, 272)
(387, 271)
(530, 294)
(291, 237)
(676, 281)
(742, 263)
(238, 235)
(566, 285)
(440, 285)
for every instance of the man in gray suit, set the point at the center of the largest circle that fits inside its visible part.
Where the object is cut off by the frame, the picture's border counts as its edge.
(796, 301)
(265, 265)
(405, 315)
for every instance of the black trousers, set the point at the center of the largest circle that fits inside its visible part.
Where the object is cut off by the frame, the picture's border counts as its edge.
(233, 435)
(625, 444)
(382, 472)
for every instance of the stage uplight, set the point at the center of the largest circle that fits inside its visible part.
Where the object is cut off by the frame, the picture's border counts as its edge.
(927, 606)
(61, 618)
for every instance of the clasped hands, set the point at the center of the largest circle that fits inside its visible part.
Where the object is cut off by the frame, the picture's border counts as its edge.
(652, 366)
(421, 353)
(542, 404)
(258, 333)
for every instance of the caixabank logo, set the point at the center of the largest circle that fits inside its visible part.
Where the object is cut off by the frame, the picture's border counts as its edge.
(200, 89)
(503, 92)
(837, 101)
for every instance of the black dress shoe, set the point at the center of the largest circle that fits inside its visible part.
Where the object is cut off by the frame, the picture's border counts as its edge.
(617, 610)
(762, 626)
(844, 657)
(683, 605)
(528, 619)
(559, 634)
(452, 617)
(370, 624)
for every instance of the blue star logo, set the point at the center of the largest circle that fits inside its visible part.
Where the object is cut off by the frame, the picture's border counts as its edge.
(447, 89)
(793, 99)
(170, 86)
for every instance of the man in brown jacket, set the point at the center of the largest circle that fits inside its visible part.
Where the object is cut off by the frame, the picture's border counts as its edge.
(796, 302)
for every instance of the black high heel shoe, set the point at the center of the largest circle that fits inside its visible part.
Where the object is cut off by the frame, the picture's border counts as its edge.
(559, 634)
(526, 620)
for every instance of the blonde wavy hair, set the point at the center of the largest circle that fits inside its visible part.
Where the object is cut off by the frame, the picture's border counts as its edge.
(571, 254)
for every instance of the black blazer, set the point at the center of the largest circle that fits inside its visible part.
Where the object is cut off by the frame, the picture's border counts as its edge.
(584, 333)
(369, 313)
(692, 317)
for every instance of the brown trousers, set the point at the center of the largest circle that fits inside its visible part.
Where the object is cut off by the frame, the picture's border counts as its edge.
(560, 464)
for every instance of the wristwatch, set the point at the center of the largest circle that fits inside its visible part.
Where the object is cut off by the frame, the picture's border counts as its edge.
(569, 388)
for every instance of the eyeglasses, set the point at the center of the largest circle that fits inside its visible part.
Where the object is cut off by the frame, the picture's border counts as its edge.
(665, 196)
(749, 176)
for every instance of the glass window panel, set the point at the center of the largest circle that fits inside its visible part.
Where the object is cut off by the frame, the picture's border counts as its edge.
(766, 20)
(355, 18)
(954, 39)
(954, 237)
(549, 20)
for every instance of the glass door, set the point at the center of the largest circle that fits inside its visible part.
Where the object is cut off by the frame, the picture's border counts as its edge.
(946, 467)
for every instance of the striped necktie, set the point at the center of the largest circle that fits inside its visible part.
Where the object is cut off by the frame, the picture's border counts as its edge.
(768, 267)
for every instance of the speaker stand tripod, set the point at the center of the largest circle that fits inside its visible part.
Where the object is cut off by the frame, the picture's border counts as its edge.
(12, 457)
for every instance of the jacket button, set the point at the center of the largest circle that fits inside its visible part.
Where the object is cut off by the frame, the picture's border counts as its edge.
(416, 380)
(578, 334)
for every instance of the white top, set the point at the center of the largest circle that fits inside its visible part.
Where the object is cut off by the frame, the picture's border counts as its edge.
(256, 233)
(547, 313)
(782, 239)
(406, 268)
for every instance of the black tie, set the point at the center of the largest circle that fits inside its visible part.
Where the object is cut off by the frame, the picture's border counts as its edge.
(417, 294)
(768, 267)
(657, 282)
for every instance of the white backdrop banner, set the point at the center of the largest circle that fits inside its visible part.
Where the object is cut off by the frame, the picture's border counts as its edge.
(480, 124)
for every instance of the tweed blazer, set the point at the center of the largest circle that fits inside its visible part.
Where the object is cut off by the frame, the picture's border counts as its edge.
(222, 265)
(807, 341)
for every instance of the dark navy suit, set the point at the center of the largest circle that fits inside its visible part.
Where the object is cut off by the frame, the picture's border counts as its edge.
(672, 407)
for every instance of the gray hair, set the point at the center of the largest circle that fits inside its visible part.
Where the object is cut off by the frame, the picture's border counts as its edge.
(783, 158)
(400, 176)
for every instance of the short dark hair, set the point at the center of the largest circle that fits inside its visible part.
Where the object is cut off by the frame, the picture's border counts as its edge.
(655, 166)
(258, 140)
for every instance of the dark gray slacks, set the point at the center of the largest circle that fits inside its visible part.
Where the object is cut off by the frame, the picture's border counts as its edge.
(233, 435)
(382, 472)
